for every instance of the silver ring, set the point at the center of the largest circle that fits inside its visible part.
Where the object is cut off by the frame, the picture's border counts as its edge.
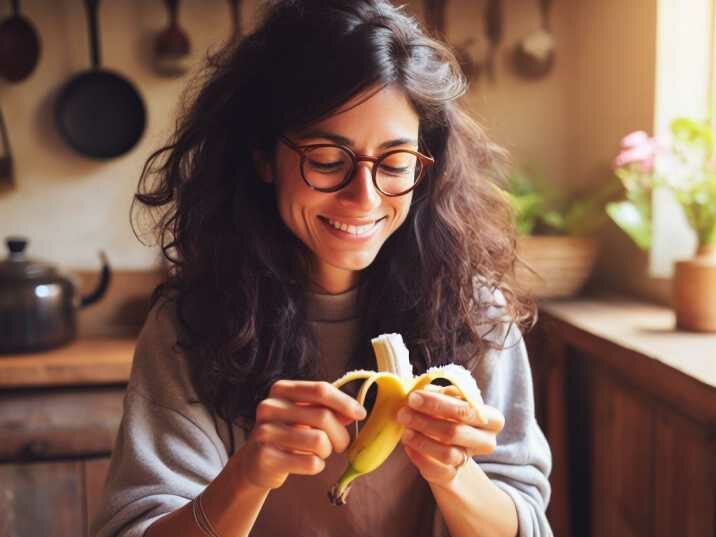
(466, 458)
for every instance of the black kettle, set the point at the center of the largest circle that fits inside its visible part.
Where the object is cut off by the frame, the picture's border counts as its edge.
(38, 304)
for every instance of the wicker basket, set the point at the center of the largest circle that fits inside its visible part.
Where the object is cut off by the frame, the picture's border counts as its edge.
(563, 264)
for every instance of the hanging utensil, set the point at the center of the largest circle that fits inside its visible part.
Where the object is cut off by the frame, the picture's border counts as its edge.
(7, 176)
(235, 6)
(435, 16)
(19, 46)
(533, 57)
(99, 113)
(493, 31)
(172, 47)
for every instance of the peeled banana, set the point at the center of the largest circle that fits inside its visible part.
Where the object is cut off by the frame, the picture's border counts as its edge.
(381, 433)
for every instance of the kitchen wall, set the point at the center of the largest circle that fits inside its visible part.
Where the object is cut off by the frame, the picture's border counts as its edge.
(68, 205)
(567, 124)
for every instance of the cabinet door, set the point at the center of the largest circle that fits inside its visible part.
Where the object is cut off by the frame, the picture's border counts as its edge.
(50, 498)
(684, 479)
(95, 473)
(548, 361)
(622, 487)
(41, 499)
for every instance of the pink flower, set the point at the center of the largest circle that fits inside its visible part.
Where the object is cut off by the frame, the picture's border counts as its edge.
(639, 149)
(635, 139)
(642, 155)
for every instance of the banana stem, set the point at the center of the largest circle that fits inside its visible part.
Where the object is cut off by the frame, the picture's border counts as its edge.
(338, 495)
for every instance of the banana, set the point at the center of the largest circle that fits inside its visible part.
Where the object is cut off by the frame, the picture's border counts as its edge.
(395, 380)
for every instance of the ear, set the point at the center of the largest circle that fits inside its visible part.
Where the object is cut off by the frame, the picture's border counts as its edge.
(263, 166)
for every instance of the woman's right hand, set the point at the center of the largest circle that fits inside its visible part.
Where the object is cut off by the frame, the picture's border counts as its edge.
(297, 427)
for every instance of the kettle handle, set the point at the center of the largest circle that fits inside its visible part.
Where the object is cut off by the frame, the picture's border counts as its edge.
(104, 279)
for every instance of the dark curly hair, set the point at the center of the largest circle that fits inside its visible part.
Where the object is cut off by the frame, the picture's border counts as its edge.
(238, 276)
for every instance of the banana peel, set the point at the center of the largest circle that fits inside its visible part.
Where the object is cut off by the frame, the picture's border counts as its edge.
(394, 378)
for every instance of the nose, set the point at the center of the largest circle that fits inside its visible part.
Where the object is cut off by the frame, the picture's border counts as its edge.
(361, 193)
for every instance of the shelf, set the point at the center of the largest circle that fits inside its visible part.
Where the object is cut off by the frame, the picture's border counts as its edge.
(88, 361)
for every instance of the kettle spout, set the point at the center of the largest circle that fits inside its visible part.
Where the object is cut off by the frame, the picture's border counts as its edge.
(103, 284)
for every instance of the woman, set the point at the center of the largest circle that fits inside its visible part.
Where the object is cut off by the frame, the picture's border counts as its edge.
(323, 187)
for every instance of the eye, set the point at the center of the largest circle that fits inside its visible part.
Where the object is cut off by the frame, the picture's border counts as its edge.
(399, 164)
(325, 165)
(327, 159)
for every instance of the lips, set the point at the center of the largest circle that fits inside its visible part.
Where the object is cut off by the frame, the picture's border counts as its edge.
(352, 221)
(344, 228)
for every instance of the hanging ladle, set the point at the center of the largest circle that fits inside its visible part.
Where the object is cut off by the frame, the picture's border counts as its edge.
(235, 8)
(172, 47)
(533, 56)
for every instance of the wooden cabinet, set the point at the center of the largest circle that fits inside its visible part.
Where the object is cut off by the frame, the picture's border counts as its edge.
(50, 498)
(54, 457)
(633, 439)
(622, 428)
(59, 414)
(684, 477)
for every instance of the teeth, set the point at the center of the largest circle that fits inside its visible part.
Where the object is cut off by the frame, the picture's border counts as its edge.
(355, 230)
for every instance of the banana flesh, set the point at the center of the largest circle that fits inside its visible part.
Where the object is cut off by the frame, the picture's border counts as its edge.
(394, 378)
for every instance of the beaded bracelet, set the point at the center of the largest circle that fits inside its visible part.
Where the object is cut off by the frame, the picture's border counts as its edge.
(202, 521)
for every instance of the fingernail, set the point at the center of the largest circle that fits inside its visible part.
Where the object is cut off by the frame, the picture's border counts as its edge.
(415, 400)
(408, 434)
(361, 412)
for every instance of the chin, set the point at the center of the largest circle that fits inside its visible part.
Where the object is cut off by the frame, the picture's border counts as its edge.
(353, 262)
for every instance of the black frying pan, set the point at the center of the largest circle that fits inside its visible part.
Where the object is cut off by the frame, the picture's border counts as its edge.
(99, 113)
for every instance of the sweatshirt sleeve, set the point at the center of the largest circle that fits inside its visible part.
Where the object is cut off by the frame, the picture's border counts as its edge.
(522, 462)
(167, 447)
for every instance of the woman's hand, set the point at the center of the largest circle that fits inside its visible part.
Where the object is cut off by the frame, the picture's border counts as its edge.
(443, 429)
(297, 427)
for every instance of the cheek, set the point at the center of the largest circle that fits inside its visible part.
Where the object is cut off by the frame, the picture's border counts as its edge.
(401, 208)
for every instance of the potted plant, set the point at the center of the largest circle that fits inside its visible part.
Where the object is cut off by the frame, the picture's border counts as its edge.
(684, 164)
(555, 228)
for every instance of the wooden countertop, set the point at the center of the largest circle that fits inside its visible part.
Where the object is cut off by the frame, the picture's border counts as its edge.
(647, 329)
(86, 361)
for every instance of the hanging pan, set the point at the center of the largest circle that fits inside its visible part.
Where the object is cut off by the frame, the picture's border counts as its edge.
(19, 46)
(99, 113)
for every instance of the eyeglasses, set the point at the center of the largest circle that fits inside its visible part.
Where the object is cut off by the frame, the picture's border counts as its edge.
(329, 167)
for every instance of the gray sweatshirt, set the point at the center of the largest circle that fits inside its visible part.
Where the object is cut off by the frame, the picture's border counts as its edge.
(170, 446)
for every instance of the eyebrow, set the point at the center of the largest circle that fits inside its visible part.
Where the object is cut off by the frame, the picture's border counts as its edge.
(342, 140)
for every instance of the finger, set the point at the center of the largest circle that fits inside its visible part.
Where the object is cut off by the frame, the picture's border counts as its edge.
(325, 419)
(449, 455)
(475, 440)
(296, 438)
(447, 432)
(320, 393)
(432, 470)
(450, 408)
(279, 460)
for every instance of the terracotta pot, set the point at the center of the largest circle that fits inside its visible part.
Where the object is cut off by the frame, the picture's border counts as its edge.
(694, 291)
(563, 264)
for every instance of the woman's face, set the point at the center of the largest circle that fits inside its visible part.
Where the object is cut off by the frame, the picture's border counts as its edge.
(384, 121)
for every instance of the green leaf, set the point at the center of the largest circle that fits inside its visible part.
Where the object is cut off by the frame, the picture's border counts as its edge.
(632, 221)
(694, 132)
(554, 220)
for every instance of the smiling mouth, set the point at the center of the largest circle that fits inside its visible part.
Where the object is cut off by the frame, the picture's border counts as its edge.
(357, 231)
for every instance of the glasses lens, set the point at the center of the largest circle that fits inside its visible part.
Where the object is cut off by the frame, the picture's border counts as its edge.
(326, 167)
(398, 172)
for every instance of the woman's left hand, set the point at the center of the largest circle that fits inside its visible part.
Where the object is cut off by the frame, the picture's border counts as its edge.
(442, 428)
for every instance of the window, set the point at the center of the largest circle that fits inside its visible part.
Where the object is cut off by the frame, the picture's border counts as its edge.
(684, 84)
